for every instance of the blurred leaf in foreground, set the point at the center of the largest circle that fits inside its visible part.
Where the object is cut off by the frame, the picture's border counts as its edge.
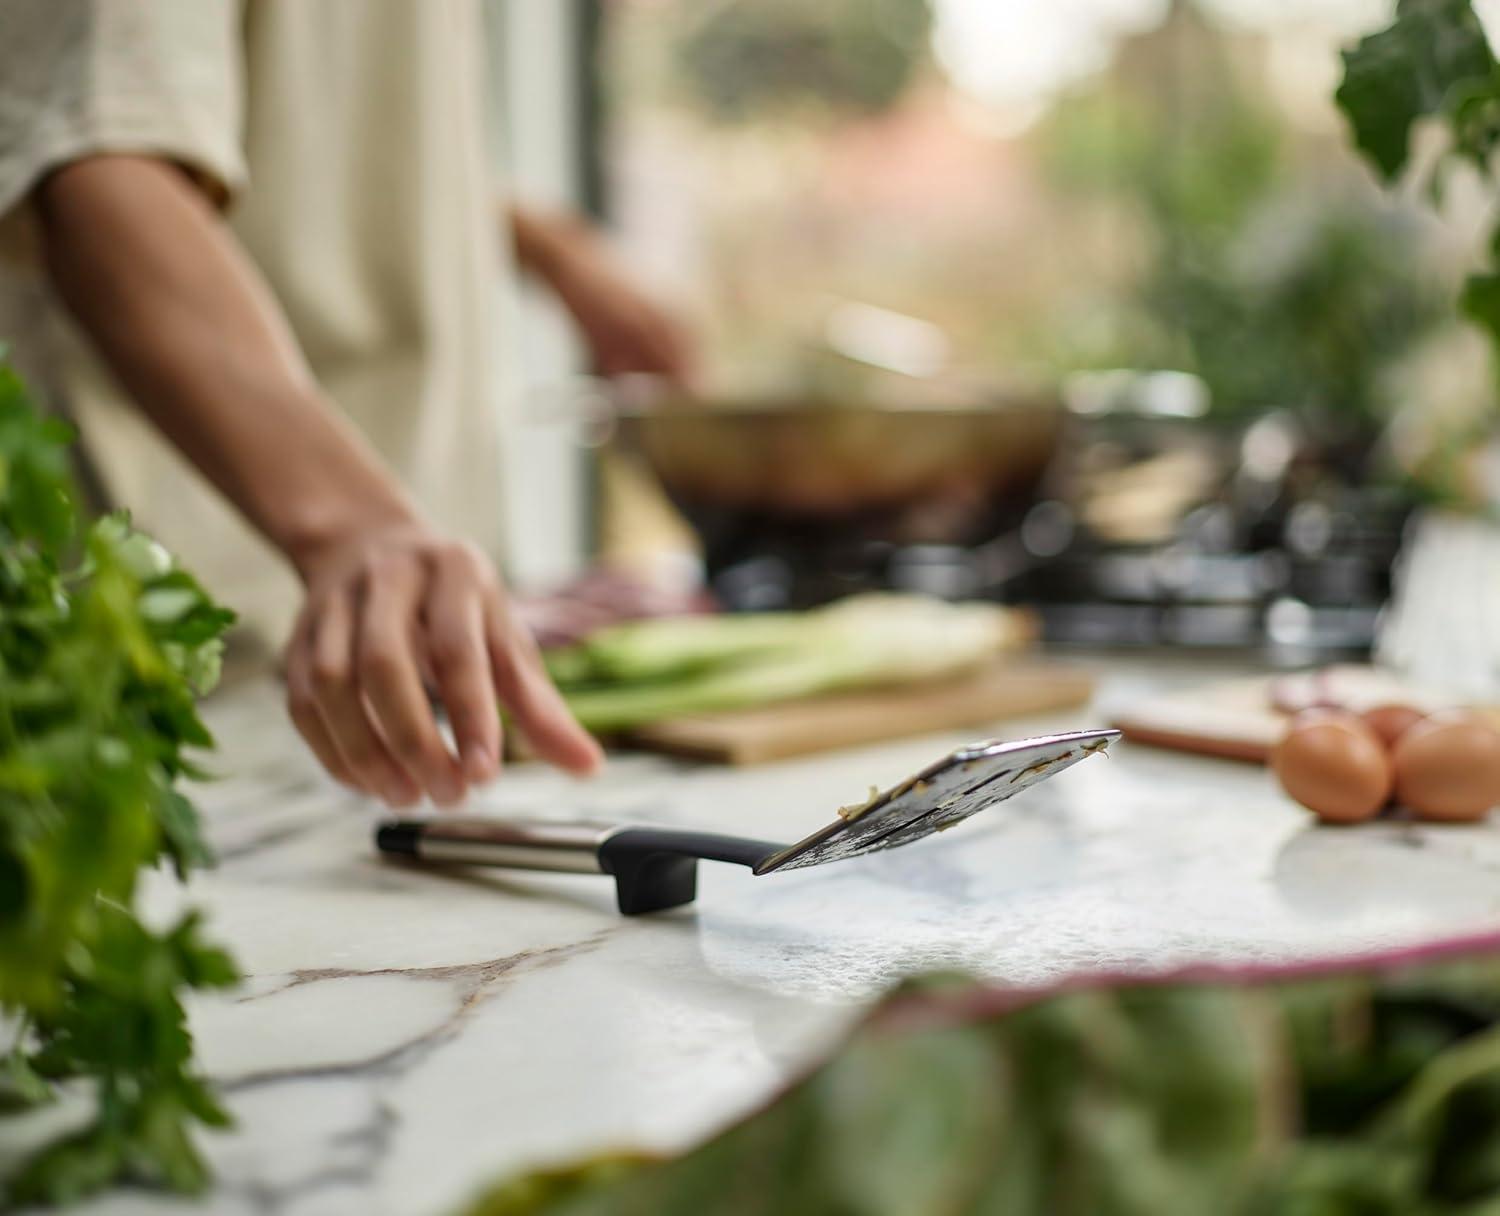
(1374, 1092)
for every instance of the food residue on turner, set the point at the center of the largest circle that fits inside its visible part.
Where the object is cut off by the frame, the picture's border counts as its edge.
(922, 783)
(1041, 766)
(855, 810)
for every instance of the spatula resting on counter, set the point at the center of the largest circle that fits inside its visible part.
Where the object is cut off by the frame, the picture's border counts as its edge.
(657, 868)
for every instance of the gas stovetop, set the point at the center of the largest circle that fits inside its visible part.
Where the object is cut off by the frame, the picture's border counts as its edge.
(1307, 584)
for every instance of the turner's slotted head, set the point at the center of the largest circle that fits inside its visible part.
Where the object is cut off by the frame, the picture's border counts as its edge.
(656, 868)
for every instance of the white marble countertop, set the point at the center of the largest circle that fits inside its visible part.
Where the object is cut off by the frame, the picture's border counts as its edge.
(404, 1036)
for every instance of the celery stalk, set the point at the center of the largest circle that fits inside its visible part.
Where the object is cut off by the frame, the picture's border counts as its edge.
(664, 648)
(654, 670)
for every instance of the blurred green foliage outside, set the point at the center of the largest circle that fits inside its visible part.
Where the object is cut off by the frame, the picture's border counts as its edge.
(1166, 211)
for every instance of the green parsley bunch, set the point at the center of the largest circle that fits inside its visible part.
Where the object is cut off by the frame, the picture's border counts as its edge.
(104, 645)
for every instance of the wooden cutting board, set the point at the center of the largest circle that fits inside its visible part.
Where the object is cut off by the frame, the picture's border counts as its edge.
(1008, 689)
(1234, 721)
(1240, 719)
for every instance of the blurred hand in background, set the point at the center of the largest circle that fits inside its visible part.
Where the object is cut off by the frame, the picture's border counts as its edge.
(626, 330)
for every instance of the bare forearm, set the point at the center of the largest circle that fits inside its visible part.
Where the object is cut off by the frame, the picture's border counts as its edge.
(158, 282)
(170, 300)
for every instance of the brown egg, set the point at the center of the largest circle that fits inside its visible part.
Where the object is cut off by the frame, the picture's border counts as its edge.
(1334, 765)
(1448, 767)
(1390, 722)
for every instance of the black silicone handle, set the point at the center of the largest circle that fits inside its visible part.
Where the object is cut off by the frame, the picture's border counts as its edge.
(657, 868)
(400, 839)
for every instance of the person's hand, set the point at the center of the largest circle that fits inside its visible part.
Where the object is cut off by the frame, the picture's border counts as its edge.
(384, 612)
(626, 330)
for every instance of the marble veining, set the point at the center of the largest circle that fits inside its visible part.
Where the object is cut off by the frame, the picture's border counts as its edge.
(405, 1035)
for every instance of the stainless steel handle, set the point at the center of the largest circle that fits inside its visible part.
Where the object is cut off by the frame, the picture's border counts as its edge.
(571, 848)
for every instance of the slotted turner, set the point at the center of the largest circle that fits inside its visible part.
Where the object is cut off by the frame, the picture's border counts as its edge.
(657, 868)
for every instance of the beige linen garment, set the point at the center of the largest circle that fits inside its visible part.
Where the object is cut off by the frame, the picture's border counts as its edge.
(348, 138)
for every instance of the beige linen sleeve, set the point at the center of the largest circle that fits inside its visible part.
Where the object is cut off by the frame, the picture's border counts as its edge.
(80, 77)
